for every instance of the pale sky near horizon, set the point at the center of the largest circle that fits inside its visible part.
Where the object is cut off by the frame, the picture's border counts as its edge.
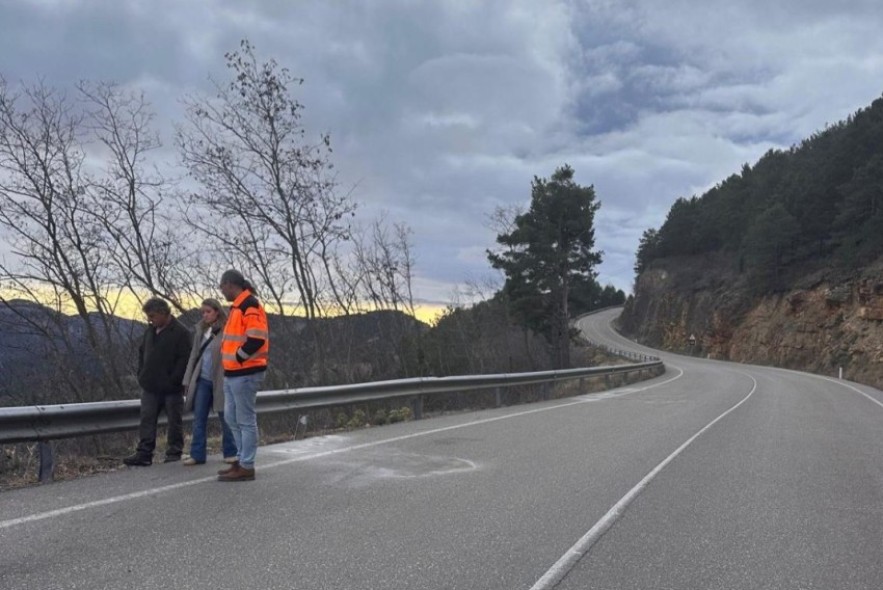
(441, 111)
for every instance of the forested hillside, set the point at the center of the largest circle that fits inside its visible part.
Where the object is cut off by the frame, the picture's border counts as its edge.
(820, 202)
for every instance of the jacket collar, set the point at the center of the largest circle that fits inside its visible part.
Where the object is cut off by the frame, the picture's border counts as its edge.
(242, 297)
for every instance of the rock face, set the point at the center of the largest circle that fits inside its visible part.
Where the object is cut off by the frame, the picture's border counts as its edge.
(821, 325)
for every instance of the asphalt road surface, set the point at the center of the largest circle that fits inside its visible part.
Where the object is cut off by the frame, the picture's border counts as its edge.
(711, 476)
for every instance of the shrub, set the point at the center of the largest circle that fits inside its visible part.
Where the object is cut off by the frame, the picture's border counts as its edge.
(402, 414)
(358, 420)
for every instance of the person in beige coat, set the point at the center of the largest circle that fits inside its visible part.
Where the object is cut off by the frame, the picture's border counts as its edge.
(204, 383)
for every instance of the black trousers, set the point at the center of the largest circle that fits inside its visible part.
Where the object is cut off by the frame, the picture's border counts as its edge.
(151, 405)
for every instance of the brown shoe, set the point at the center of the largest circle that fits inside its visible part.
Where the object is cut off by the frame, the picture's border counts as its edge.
(239, 474)
(233, 467)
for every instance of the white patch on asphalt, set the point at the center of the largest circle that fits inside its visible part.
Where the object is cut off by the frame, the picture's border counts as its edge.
(378, 466)
(307, 445)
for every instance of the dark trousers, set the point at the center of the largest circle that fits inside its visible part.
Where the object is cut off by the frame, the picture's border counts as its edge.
(151, 405)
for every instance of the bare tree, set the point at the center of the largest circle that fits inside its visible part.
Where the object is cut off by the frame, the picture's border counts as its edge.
(385, 264)
(502, 219)
(145, 243)
(46, 212)
(268, 191)
(380, 274)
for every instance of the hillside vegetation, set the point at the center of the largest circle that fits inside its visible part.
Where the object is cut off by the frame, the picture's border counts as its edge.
(817, 204)
(781, 263)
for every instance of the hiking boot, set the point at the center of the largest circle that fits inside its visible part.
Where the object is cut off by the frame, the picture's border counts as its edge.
(138, 460)
(233, 467)
(238, 474)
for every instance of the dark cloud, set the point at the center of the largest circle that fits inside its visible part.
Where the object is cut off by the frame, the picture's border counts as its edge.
(441, 111)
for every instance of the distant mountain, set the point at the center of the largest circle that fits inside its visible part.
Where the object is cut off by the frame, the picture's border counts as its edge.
(38, 343)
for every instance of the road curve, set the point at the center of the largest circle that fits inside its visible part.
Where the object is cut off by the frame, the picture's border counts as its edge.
(713, 475)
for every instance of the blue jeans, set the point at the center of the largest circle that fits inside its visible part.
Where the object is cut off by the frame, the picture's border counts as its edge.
(202, 405)
(240, 393)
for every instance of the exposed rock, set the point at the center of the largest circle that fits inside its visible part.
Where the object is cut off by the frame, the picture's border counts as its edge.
(797, 300)
(820, 327)
(871, 313)
(837, 296)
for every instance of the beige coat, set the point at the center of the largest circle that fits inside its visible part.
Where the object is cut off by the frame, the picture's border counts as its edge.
(195, 362)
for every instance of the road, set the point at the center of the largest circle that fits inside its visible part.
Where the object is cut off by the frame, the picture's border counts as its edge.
(711, 476)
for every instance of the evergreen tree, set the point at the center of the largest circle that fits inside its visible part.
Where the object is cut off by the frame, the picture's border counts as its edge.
(767, 243)
(610, 296)
(587, 295)
(677, 236)
(646, 249)
(859, 225)
(547, 254)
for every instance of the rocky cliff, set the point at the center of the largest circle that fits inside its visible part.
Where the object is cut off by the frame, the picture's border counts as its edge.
(828, 320)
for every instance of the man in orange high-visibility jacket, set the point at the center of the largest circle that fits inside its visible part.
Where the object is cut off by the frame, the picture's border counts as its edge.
(244, 351)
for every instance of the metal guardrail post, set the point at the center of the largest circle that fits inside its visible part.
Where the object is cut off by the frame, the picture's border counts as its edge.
(498, 396)
(418, 407)
(47, 462)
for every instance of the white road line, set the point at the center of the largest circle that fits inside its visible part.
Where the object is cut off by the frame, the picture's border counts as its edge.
(830, 379)
(570, 558)
(5, 524)
(856, 389)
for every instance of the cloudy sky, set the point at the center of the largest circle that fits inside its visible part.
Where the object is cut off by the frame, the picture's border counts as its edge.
(441, 111)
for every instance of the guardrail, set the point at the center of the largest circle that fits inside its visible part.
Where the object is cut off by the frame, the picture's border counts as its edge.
(43, 423)
(626, 354)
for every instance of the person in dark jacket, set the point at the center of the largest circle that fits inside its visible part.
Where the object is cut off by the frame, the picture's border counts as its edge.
(162, 361)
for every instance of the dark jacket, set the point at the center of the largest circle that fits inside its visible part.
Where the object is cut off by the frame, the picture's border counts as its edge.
(162, 358)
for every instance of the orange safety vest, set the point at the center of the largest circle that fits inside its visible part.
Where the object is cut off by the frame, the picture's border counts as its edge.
(245, 346)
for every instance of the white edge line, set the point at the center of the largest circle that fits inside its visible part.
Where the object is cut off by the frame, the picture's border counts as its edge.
(840, 382)
(5, 524)
(571, 557)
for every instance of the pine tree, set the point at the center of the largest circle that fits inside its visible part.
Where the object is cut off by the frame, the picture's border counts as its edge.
(548, 254)
(766, 244)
